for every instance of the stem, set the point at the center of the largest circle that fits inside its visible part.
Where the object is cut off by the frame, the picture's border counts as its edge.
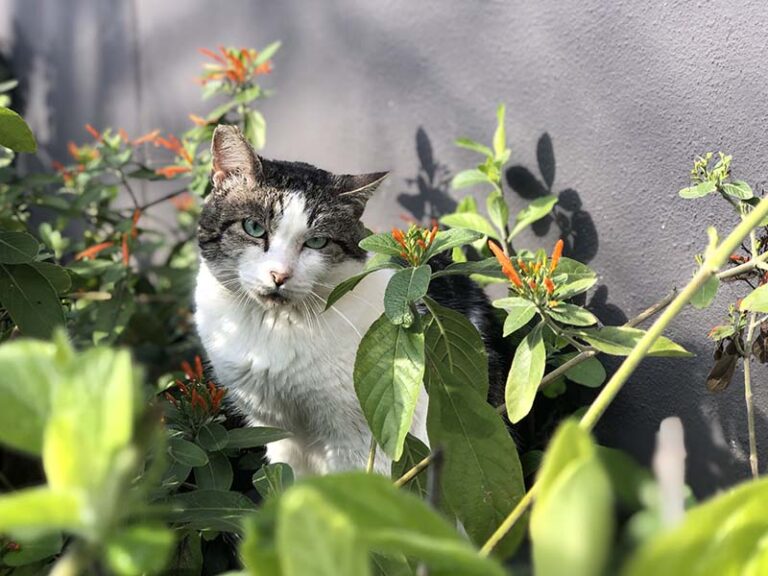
(714, 261)
(162, 199)
(748, 397)
(415, 471)
(558, 330)
(371, 456)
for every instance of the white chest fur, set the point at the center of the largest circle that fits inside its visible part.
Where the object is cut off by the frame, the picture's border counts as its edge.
(295, 373)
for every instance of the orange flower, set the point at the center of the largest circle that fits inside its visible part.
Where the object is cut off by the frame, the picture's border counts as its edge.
(134, 222)
(124, 136)
(93, 250)
(198, 120)
(198, 399)
(73, 150)
(211, 54)
(180, 385)
(93, 132)
(532, 284)
(171, 171)
(556, 253)
(187, 368)
(199, 366)
(183, 202)
(126, 251)
(432, 234)
(549, 285)
(148, 137)
(506, 264)
(398, 236)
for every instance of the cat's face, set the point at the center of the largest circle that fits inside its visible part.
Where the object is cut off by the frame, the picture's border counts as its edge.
(280, 234)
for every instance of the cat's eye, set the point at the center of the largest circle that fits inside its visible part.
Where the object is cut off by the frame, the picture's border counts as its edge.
(316, 243)
(253, 228)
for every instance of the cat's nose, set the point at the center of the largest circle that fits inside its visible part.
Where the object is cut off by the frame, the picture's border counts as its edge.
(280, 278)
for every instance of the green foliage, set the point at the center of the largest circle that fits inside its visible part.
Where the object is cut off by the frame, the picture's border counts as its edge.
(14, 132)
(525, 374)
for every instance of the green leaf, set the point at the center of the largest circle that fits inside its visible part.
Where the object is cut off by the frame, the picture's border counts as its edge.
(32, 550)
(273, 479)
(404, 288)
(498, 210)
(482, 478)
(351, 283)
(382, 243)
(738, 189)
(140, 549)
(27, 374)
(620, 340)
(41, 510)
(486, 267)
(574, 499)
(216, 474)
(706, 294)
(255, 128)
(447, 239)
(470, 221)
(572, 278)
(469, 178)
(698, 191)
(217, 510)
(536, 210)
(17, 247)
(186, 453)
(474, 146)
(253, 437)
(756, 301)
(56, 275)
(267, 53)
(722, 536)
(590, 372)
(571, 314)
(315, 538)
(14, 132)
(30, 299)
(519, 312)
(414, 451)
(500, 135)
(525, 374)
(213, 437)
(390, 521)
(389, 368)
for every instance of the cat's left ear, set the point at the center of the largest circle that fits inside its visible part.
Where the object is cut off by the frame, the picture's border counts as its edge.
(357, 189)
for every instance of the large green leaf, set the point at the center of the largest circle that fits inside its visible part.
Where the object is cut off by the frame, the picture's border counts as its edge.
(572, 314)
(272, 479)
(698, 190)
(253, 437)
(482, 477)
(216, 474)
(314, 537)
(468, 178)
(447, 239)
(757, 300)
(725, 535)
(382, 519)
(572, 518)
(17, 247)
(404, 288)
(388, 373)
(706, 294)
(56, 275)
(30, 299)
(14, 132)
(351, 283)
(620, 340)
(210, 509)
(536, 210)
(738, 189)
(41, 510)
(140, 549)
(498, 210)
(519, 312)
(571, 278)
(525, 374)
(470, 221)
(186, 453)
(414, 451)
(28, 370)
(590, 372)
(500, 134)
(382, 243)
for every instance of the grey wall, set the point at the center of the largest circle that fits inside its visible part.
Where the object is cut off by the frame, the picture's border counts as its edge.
(626, 91)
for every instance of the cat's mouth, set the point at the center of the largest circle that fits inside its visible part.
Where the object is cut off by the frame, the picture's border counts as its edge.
(274, 298)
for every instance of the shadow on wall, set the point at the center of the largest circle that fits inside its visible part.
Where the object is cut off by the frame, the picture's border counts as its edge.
(432, 183)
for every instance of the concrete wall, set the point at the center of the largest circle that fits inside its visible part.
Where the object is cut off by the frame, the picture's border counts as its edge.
(616, 97)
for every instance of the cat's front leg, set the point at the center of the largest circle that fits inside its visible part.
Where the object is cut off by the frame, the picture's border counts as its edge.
(294, 453)
(342, 456)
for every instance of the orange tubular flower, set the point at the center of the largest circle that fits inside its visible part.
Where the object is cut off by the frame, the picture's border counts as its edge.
(93, 250)
(123, 136)
(506, 264)
(148, 137)
(432, 234)
(134, 222)
(126, 251)
(181, 386)
(187, 368)
(197, 399)
(198, 120)
(549, 285)
(93, 132)
(532, 284)
(556, 253)
(172, 171)
(199, 367)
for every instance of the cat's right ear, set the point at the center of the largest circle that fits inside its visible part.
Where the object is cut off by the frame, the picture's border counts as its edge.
(232, 154)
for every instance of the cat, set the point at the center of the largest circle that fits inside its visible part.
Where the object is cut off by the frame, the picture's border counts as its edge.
(274, 239)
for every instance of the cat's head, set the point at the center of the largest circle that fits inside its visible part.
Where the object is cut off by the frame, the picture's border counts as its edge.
(278, 232)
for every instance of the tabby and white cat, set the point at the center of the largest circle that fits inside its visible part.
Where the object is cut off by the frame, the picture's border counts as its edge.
(275, 238)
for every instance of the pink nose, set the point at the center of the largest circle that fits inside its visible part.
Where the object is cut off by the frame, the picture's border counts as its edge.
(280, 278)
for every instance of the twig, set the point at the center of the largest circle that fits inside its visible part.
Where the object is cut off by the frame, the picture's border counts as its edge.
(162, 199)
(371, 456)
(415, 471)
(748, 397)
(716, 259)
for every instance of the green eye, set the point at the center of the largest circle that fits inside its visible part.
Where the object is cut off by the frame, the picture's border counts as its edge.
(316, 243)
(253, 228)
